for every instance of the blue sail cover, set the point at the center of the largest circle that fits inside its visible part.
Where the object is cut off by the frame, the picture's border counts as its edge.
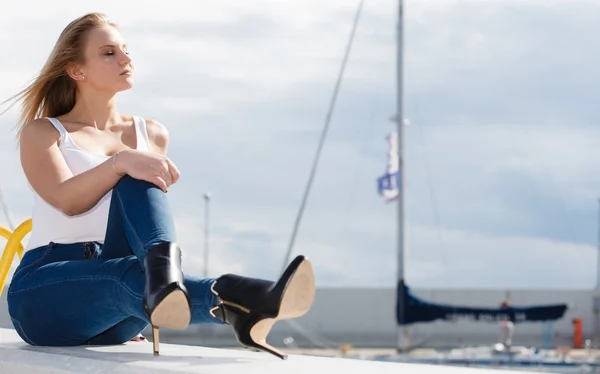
(418, 310)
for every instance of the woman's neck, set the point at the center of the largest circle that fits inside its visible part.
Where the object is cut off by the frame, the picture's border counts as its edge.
(95, 110)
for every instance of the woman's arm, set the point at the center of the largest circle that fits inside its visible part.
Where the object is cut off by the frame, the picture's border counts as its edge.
(50, 176)
(163, 171)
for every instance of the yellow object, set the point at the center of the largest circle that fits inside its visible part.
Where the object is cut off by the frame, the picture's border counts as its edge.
(13, 245)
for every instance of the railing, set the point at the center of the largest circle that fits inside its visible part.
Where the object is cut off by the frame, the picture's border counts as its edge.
(13, 246)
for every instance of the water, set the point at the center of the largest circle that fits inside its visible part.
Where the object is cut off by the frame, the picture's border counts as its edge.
(533, 366)
(499, 357)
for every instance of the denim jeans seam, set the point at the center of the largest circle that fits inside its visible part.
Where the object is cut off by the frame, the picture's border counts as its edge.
(213, 301)
(26, 338)
(48, 249)
(124, 216)
(105, 277)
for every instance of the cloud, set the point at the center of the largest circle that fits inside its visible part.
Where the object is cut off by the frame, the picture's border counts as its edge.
(501, 147)
(512, 259)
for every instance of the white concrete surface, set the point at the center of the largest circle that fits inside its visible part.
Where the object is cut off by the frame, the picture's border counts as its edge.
(135, 357)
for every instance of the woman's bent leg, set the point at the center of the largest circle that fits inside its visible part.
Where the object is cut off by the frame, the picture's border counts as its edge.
(140, 218)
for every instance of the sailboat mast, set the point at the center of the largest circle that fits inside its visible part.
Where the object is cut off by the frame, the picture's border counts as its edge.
(598, 251)
(400, 346)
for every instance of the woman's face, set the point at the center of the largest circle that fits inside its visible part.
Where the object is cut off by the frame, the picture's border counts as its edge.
(107, 65)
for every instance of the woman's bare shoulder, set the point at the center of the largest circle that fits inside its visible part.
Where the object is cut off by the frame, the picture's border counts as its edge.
(39, 130)
(158, 135)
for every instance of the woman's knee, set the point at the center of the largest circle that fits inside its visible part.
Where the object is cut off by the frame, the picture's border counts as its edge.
(128, 182)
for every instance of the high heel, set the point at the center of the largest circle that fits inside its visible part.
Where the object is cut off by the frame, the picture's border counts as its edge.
(252, 306)
(166, 301)
(155, 340)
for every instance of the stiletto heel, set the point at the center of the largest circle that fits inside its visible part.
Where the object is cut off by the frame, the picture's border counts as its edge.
(258, 338)
(252, 306)
(166, 301)
(155, 340)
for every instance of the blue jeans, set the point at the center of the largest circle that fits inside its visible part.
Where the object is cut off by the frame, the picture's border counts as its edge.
(91, 293)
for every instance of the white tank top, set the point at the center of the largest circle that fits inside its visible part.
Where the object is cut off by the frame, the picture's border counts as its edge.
(49, 224)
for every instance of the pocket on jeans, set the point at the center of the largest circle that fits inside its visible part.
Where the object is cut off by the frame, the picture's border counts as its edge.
(26, 262)
(19, 328)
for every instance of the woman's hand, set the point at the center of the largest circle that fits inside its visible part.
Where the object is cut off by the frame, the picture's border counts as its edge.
(148, 166)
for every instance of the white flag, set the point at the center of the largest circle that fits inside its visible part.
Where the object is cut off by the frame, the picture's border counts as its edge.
(388, 185)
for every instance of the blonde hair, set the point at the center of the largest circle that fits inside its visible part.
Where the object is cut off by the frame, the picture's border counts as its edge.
(52, 92)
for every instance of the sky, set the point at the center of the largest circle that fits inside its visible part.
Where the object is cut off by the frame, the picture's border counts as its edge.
(501, 184)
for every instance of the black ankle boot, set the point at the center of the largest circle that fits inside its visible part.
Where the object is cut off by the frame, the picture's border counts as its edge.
(252, 306)
(166, 301)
